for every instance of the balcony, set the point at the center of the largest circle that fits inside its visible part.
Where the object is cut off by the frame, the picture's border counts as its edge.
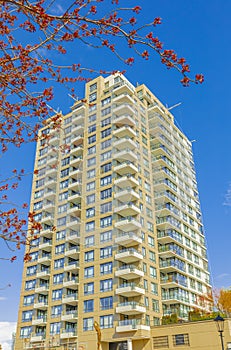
(45, 260)
(43, 289)
(51, 172)
(168, 236)
(125, 142)
(125, 155)
(49, 193)
(128, 224)
(71, 282)
(131, 325)
(72, 252)
(123, 87)
(126, 181)
(39, 321)
(124, 131)
(125, 168)
(126, 195)
(128, 239)
(127, 210)
(75, 172)
(171, 265)
(43, 274)
(74, 209)
(52, 160)
(174, 298)
(124, 98)
(77, 129)
(129, 272)
(73, 237)
(170, 250)
(70, 299)
(68, 333)
(124, 119)
(38, 337)
(128, 256)
(75, 185)
(54, 140)
(76, 161)
(46, 246)
(130, 290)
(76, 151)
(46, 232)
(74, 224)
(49, 206)
(74, 197)
(72, 267)
(41, 305)
(51, 182)
(77, 140)
(69, 315)
(173, 281)
(130, 308)
(78, 119)
(47, 219)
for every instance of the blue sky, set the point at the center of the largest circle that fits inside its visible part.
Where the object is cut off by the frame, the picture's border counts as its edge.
(200, 31)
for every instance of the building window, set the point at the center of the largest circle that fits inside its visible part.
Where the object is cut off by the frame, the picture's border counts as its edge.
(63, 196)
(88, 324)
(106, 101)
(151, 241)
(106, 180)
(89, 272)
(106, 321)
(88, 305)
(90, 226)
(31, 270)
(91, 161)
(106, 285)
(55, 328)
(106, 193)
(105, 252)
(154, 288)
(155, 305)
(106, 268)
(105, 111)
(59, 249)
(90, 173)
(105, 236)
(27, 315)
(25, 332)
(92, 97)
(180, 339)
(105, 156)
(152, 272)
(106, 303)
(105, 133)
(105, 168)
(91, 198)
(64, 172)
(90, 186)
(58, 278)
(91, 150)
(59, 263)
(160, 342)
(56, 310)
(28, 300)
(90, 212)
(89, 256)
(107, 221)
(89, 241)
(88, 288)
(106, 144)
(60, 235)
(91, 139)
(61, 221)
(106, 121)
(57, 294)
(29, 285)
(93, 87)
(92, 128)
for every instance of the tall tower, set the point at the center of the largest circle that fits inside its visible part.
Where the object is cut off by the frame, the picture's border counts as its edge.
(122, 241)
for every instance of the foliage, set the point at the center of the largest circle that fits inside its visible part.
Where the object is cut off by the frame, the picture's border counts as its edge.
(168, 319)
(224, 301)
(198, 315)
(36, 39)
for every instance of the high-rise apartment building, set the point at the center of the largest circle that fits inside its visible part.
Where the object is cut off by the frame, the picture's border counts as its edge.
(122, 241)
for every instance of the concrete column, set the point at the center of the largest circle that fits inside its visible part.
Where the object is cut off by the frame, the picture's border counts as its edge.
(129, 342)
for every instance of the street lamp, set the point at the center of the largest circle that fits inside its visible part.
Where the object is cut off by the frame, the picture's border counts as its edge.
(220, 327)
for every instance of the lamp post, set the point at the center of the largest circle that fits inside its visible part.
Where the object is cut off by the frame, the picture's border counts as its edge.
(220, 327)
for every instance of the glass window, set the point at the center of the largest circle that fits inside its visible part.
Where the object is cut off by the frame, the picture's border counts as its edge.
(106, 321)
(105, 252)
(89, 272)
(90, 226)
(107, 221)
(106, 121)
(91, 161)
(106, 101)
(91, 150)
(90, 212)
(88, 288)
(56, 310)
(105, 236)
(106, 167)
(105, 156)
(59, 263)
(106, 268)
(89, 241)
(57, 294)
(105, 133)
(90, 186)
(91, 198)
(25, 332)
(55, 328)
(29, 285)
(106, 193)
(27, 315)
(28, 299)
(90, 173)
(88, 324)
(92, 128)
(106, 285)
(91, 139)
(154, 288)
(106, 144)
(59, 249)
(152, 272)
(60, 235)
(88, 305)
(58, 278)
(89, 256)
(106, 303)
(106, 180)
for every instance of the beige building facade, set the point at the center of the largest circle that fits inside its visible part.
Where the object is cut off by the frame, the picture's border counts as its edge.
(122, 239)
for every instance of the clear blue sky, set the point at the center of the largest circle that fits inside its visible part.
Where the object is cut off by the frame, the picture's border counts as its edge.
(200, 31)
